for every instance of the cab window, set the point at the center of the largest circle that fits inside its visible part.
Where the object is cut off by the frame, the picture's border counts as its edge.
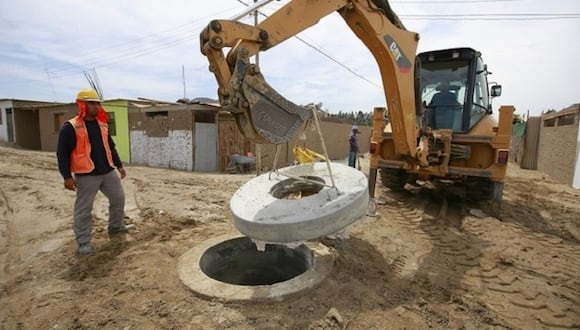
(480, 105)
(444, 88)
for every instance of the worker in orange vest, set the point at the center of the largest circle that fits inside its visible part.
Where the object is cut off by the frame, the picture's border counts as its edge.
(87, 159)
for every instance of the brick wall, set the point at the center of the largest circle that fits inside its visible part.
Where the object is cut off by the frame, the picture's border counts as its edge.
(335, 135)
(231, 141)
(557, 150)
(336, 139)
(49, 128)
(162, 139)
(159, 123)
(27, 129)
(150, 132)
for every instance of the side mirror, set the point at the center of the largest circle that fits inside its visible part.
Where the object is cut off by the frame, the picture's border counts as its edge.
(496, 91)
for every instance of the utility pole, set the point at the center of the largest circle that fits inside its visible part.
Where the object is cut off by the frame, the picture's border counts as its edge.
(258, 147)
(183, 78)
(256, 24)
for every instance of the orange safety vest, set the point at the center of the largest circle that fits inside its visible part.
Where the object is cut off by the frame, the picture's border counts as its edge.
(80, 159)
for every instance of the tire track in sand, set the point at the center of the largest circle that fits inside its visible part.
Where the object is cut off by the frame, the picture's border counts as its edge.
(528, 278)
(6, 212)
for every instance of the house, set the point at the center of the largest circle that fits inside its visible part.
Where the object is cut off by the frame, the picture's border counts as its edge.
(161, 134)
(53, 116)
(192, 137)
(201, 137)
(20, 122)
(559, 145)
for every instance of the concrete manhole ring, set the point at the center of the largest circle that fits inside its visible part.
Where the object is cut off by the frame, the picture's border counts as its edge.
(229, 268)
(261, 211)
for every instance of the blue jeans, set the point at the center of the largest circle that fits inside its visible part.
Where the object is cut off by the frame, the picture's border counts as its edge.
(352, 159)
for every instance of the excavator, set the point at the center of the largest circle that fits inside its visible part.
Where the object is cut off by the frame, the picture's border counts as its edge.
(439, 123)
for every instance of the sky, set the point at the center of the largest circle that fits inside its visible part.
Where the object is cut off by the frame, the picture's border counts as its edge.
(138, 49)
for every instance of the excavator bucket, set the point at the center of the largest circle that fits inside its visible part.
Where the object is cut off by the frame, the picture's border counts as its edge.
(262, 114)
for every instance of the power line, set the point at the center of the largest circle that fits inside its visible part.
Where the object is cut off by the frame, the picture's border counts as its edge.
(450, 2)
(164, 42)
(338, 62)
(435, 2)
(327, 55)
(51, 85)
(127, 56)
(133, 52)
(93, 58)
(491, 18)
(448, 17)
(491, 15)
(107, 52)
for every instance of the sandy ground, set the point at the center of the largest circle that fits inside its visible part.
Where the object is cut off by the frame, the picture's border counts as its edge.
(410, 268)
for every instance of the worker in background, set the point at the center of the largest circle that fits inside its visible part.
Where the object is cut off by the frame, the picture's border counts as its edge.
(353, 146)
(87, 159)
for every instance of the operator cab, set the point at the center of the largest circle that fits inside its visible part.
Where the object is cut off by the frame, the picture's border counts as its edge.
(454, 89)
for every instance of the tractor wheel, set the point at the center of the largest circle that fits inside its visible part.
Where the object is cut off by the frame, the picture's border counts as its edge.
(496, 200)
(394, 179)
(479, 189)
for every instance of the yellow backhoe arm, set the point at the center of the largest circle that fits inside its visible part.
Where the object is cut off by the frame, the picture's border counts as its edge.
(263, 115)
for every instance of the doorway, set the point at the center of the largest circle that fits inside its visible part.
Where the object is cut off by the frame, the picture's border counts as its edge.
(10, 125)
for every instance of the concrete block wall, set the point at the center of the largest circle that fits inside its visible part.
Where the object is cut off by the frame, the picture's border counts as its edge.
(27, 129)
(230, 141)
(557, 152)
(162, 141)
(3, 119)
(145, 131)
(173, 151)
(157, 125)
(48, 131)
(335, 137)
(576, 180)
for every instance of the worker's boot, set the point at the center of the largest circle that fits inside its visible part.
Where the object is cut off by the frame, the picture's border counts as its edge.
(120, 230)
(85, 248)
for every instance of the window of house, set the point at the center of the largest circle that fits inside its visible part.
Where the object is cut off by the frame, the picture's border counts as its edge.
(58, 119)
(153, 114)
(1, 116)
(112, 124)
(550, 122)
(205, 117)
(567, 120)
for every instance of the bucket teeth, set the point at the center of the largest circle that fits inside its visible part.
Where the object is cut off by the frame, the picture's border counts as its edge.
(262, 114)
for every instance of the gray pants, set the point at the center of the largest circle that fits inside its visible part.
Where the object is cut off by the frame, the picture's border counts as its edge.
(87, 187)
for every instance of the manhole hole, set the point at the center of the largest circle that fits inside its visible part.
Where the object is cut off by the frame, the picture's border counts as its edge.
(238, 262)
(296, 189)
(230, 268)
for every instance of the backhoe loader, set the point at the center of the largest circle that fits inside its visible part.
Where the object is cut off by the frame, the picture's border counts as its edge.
(440, 123)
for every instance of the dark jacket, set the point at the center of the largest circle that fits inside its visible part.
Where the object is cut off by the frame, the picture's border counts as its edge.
(353, 142)
(67, 141)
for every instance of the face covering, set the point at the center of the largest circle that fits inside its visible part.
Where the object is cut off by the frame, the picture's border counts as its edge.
(101, 113)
